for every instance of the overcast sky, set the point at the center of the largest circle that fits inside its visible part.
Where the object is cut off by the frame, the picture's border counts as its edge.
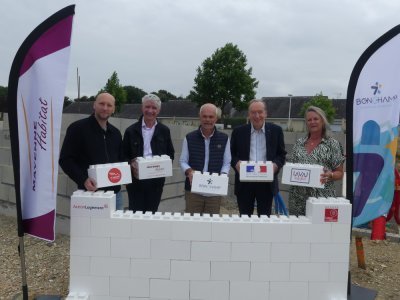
(294, 47)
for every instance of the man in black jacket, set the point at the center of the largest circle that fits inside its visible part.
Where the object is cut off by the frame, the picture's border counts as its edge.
(147, 137)
(257, 141)
(92, 141)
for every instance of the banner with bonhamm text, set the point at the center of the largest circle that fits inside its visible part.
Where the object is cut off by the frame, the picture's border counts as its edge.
(373, 108)
(36, 91)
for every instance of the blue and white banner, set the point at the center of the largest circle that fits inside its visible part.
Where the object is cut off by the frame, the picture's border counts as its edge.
(373, 107)
(36, 90)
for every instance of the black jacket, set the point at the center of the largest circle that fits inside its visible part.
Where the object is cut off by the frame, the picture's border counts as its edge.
(86, 143)
(161, 142)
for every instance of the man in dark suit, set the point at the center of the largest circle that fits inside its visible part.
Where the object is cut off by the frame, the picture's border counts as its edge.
(257, 141)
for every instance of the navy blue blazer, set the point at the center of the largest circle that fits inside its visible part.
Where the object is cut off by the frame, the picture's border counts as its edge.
(240, 148)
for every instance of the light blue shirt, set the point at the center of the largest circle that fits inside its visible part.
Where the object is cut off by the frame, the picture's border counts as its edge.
(258, 146)
(184, 159)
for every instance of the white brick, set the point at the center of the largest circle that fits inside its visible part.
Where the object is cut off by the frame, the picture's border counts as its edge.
(90, 246)
(249, 290)
(150, 268)
(270, 271)
(80, 226)
(290, 252)
(151, 229)
(109, 298)
(191, 231)
(125, 286)
(209, 290)
(110, 266)
(136, 248)
(338, 271)
(170, 289)
(231, 232)
(329, 253)
(341, 233)
(91, 285)
(311, 233)
(271, 232)
(165, 249)
(190, 270)
(210, 251)
(230, 271)
(309, 271)
(327, 290)
(79, 265)
(114, 227)
(288, 290)
(251, 252)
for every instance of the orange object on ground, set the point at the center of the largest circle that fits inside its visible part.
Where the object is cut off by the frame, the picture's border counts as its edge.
(360, 253)
(378, 228)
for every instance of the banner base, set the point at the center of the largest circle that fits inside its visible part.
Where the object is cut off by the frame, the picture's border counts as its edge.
(361, 293)
(48, 297)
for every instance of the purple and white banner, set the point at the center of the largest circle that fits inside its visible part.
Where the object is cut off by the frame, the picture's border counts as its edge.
(36, 90)
(373, 108)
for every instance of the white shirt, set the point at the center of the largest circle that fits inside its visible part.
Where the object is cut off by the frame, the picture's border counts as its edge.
(258, 146)
(147, 134)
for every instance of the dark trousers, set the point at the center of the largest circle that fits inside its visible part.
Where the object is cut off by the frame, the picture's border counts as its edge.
(145, 195)
(249, 192)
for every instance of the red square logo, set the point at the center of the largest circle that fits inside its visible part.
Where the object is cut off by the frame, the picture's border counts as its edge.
(331, 214)
(263, 169)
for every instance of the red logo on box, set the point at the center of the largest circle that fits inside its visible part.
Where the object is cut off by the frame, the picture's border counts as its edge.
(263, 169)
(331, 214)
(114, 175)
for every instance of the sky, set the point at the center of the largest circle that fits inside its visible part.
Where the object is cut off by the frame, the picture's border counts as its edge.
(294, 47)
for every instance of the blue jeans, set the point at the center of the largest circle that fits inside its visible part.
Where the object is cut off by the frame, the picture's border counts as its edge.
(119, 201)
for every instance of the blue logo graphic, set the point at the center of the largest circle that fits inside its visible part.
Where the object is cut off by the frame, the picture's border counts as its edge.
(250, 169)
(376, 88)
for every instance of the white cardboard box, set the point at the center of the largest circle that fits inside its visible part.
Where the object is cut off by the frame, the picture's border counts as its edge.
(154, 167)
(256, 171)
(302, 175)
(210, 184)
(110, 174)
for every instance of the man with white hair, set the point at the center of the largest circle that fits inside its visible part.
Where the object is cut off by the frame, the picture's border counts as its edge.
(147, 137)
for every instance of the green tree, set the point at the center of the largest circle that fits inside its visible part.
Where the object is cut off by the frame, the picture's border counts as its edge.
(114, 88)
(223, 78)
(3, 91)
(324, 103)
(165, 95)
(67, 101)
(134, 94)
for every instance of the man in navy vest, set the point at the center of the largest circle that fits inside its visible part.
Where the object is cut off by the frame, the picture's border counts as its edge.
(257, 141)
(205, 149)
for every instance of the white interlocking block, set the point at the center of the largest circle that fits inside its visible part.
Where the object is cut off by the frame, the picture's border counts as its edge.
(309, 271)
(91, 285)
(79, 265)
(80, 226)
(302, 175)
(288, 252)
(329, 210)
(230, 270)
(329, 252)
(209, 290)
(269, 271)
(327, 290)
(210, 251)
(126, 286)
(77, 296)
(170, 289)
(312, 233)
(112, 266)
(210, 184)
(166, 249)
(113, 298)
(251, 252)
(240, 290)
(90, 246)
(341, 233)
(191, 230)
(190, 270)
(110, 174)
(150, 268)
(256, 171)
(231, 232)
(274, 232)
(135, 248)
(338, 271)
(113, 227)
(288, 290)
(97, 204)
(154, 167)
(151, 229)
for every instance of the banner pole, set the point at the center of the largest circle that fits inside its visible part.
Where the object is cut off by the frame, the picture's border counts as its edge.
(21, 252)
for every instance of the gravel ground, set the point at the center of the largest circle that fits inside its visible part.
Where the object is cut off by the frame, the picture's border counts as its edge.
(48, 264)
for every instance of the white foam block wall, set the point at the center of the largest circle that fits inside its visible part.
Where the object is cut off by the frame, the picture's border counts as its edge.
(122, 255)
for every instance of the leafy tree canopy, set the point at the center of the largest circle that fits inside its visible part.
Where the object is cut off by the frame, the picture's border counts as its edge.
(223, 78)
(165, 95)
(324, 103)
(134, 94)
(3, 91)
(114, 88)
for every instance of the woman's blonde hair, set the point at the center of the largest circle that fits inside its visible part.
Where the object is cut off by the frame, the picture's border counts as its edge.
(321, 113)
